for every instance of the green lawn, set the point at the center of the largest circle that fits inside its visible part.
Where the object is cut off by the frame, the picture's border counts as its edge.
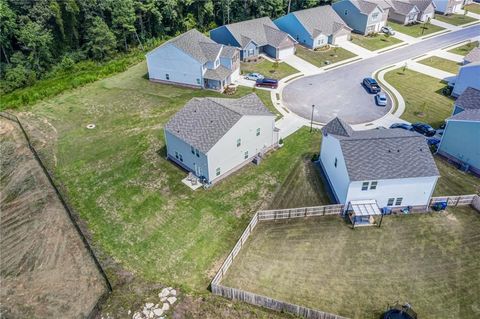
(441, 64)
(265, 96)
(416, 30)
(374, 42)
(268, 69)
(319, 58)
(455, 19)
(474, 7)
(423, 96)
(465, 49)
(431, 261)
(132, 199)
(453, 181)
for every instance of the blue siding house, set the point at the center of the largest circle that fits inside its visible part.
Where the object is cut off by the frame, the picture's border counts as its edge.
(254, 37)
(460, 141)
(362, 16)
(315, 27)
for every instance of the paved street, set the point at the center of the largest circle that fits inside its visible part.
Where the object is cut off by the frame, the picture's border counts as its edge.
(338, 92)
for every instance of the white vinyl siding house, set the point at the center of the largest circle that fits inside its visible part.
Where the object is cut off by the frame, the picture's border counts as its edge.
(212, 137)
(393, 167)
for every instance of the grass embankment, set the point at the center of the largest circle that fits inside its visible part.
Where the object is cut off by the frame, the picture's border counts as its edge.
(427, 260)
(320, 57)
(81, 73)
(453, 181)
(374, 42)
(473, 7)
(268, 68)
(415, 30)
(441, 64)
(455, 19)
(424, 101)
(132, 199)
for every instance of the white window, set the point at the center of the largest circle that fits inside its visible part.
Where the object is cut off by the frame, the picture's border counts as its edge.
(246, 155)
(390, 201)
(398, 202)
(239, 142)
(167, 76)
(181, 157)
(375, 16)
(198, 81)
(364, 186)
(251, 51)
(218, 171)
(176, 155)
(373, 185)
(258, 131)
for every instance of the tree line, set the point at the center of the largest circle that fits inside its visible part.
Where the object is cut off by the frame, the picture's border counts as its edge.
(38, 37)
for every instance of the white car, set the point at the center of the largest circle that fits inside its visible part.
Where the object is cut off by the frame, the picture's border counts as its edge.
(254, 76)
(388, 30)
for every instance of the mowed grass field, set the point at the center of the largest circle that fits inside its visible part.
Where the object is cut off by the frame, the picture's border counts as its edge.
(430, 260)
(455, 19)
(441, 64)
(424, 101)
(453, 181)
(465, 49)
(131, 198)
(319, 58)
(415, 30)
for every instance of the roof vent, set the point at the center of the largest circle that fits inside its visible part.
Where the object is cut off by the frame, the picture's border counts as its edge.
(398, 151)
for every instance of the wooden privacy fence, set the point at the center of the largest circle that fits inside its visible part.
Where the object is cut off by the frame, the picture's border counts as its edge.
(263, 301)
(258, 300)
(460, 200)
(300, 212)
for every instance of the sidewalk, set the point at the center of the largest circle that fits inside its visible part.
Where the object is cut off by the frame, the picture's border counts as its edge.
(406, 38)
(425, 69)
(448, 55)
(445, 25)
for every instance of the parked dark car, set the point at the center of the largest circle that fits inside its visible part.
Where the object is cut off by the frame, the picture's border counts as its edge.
(404, 126)
(433, 141)
(266, 82)
(424, 129)
(371, 85)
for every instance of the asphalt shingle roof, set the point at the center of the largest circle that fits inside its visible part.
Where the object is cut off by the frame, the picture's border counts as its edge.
(364, 6)
(402, 7)
(322, 19)
(469, 99)
(262, 31)
(220, 73)
(338, 127)
(422, 5)
(202, 122)
(467, 115)
(384, 154)
(472, 56)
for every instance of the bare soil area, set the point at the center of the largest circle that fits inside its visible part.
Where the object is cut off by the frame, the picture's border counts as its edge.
(45, 269)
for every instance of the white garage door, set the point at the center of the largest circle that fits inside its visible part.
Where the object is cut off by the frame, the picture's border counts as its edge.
(456, 8)
(341, 39)
(283, 53)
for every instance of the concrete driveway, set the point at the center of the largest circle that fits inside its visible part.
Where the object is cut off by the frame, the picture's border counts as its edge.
(338, 92)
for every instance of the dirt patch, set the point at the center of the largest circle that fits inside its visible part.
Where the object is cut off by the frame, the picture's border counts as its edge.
(45, 269)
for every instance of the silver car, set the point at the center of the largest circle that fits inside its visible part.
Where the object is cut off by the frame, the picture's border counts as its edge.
(254, 76)
(381, 99)
(388, 30)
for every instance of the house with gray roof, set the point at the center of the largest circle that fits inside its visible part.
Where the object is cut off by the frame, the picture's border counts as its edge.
(460, 140)
(213, 137)
(472, 56)
(393, 167)
(404, 12)
(192, 59)
(315, 27)
(254, 37)
(427, 9)
(362, 16)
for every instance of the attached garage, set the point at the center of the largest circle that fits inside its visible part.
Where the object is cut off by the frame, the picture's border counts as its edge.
(283, 53)
(341, 36)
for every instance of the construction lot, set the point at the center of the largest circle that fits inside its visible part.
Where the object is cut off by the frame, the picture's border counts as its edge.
(428, 260)
(45, 269)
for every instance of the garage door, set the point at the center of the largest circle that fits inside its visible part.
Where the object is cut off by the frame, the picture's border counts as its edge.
(286, 52)
(341, 39)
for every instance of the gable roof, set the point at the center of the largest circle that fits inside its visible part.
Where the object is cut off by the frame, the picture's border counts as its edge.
(338, 127)
(469, 99)
(202, 122)
(365, 7)
(384, 154)
(422, 5)
(403, 7)
(322, 19)
(262, 31)
(467, 115)
(472, 56)
(198, 46)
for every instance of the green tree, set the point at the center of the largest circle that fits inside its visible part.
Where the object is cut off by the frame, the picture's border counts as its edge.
(7, 28)
(100, 40)
(36, 42)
